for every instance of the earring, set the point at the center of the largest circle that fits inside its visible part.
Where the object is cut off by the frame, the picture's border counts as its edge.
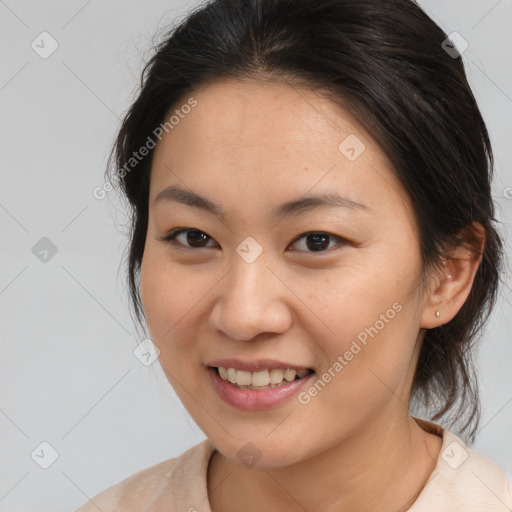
(438, 314)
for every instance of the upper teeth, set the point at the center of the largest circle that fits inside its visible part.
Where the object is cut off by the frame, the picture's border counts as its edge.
(262, 378)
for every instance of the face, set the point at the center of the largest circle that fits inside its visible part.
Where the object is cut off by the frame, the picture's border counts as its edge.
(250, 284)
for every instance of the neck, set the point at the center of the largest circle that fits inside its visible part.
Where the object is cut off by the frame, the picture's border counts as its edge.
(382, 467)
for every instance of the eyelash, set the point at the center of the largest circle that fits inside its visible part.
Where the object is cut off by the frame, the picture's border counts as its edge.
(170, 239)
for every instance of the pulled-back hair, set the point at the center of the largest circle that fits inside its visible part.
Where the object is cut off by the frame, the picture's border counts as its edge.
(385, 61)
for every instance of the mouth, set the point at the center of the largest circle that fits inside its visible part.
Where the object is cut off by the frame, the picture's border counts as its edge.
(260, 389)
(260, 380)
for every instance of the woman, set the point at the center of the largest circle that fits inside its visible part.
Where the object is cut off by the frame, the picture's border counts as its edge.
(313, 251)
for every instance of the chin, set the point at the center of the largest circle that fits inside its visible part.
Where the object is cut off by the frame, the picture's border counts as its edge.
(260, 453)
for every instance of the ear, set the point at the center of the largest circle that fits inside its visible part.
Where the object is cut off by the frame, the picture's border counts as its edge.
(450, 288)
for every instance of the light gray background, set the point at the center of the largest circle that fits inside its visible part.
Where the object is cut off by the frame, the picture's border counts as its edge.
(68, 373)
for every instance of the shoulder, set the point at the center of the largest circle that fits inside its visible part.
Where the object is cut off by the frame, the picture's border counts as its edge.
(149, 485)
(135, 489)
(464, 480)
(472, 475)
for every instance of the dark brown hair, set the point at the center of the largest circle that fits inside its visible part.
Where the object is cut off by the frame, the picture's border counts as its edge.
(385, 61)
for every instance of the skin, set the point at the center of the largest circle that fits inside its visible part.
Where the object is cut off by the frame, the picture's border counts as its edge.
(250, 146)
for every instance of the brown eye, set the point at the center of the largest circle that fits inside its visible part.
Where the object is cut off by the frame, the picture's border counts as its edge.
(318, 241)
(188, 238)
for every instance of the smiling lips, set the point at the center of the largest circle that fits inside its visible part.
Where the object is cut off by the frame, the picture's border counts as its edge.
(258, 374)
(266, 379)
(257, 385)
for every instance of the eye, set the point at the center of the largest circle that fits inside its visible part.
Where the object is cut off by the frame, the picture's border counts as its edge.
(195, 237)
(315, 241)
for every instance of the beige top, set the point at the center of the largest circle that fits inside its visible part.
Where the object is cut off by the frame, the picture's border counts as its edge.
(462, 481)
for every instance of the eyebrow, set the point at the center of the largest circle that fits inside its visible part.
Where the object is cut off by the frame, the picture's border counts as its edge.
(293, 207)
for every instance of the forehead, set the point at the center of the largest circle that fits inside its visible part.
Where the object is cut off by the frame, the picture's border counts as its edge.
(270, 138)
(273, 114)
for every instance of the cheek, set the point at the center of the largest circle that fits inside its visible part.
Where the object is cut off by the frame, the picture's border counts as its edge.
(373, 328)
(150, 290)
(373, 361)
(171, 295)
(160, 295)
(355, 301)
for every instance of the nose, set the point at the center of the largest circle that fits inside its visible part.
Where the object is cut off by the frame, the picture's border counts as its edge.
(251, 300)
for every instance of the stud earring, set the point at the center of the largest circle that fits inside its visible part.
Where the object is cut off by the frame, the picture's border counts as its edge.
(438, 314)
